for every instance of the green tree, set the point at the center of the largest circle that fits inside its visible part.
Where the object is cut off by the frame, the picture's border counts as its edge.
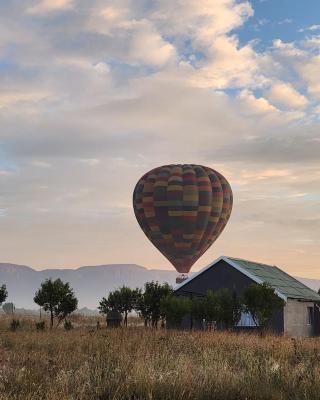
(175, 308)
(261, 302)
(148, 304)
(211, 306)
(57, 298)
(142, 308)
(229, 308)
(122, 300)
(3, 294)
(197, 309)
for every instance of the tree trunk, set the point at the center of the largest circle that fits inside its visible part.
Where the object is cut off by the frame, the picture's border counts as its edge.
(126, 318)
(51, 319)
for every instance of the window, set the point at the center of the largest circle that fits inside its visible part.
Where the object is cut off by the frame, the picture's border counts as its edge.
(246, 320)
(310, 315)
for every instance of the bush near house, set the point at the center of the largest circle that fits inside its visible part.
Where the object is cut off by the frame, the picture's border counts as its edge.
(146, 303)
(261, 301)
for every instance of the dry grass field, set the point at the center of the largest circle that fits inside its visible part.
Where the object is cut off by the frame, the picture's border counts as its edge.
(136, 363)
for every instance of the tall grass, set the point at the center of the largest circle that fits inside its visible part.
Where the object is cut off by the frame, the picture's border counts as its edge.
(135, 363)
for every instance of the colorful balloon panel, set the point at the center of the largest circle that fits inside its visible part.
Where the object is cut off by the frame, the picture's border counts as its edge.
(182, 209)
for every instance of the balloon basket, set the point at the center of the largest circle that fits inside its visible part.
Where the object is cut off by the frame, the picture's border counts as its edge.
(181, 277)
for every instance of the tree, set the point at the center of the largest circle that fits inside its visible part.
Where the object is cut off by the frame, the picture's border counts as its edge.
(148, 302)
(8, 308)
(205, 308)
(122, 300)
(142, 308)
(211, 307)
(229, 308)
(175, 308)
(261, 302)
(3, 294)
(57, 298)
(198, 308)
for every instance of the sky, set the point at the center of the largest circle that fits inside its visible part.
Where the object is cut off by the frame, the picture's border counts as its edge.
(94, 93)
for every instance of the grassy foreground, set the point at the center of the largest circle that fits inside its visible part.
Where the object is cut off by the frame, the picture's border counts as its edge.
(135, 363)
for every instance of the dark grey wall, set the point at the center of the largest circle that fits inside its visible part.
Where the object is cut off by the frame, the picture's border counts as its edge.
(221, 276)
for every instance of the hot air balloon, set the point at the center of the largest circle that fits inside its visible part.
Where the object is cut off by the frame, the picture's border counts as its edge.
(182, 209)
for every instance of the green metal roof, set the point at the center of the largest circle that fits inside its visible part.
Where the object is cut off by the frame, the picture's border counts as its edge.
(278, 279)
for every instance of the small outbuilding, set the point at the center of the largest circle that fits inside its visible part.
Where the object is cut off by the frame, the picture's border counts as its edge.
(300, 316)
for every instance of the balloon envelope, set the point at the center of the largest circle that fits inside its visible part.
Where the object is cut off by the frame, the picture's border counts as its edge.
(182, 209)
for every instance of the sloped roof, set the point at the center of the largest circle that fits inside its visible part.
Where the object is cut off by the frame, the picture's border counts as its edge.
(285, 285)
(278, 279)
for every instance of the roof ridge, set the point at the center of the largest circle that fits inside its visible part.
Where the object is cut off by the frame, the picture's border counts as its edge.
(251, 261)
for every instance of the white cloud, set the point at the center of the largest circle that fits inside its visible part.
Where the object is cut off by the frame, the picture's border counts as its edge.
(309, 72)
(310, 28)
(3, 212)
(228, 65)
(13, 97)
(102, 68)
(287, 49)
(257, 105)
(312, 42)
(202, 20)
(46, 6)
(90, 161)
(284, 94)
(41, 164)
(148, 47)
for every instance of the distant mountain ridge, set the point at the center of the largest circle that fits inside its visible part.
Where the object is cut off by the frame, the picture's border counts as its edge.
(90, 283)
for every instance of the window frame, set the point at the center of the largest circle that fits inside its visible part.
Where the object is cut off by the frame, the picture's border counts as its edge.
(310, 311)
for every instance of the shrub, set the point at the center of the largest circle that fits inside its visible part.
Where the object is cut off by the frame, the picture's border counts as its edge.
(261, 302)
(175, 308)
(14, 325)
(67, 325)
(40, 325)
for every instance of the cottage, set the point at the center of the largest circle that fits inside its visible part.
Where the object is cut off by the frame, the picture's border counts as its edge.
(300, 317)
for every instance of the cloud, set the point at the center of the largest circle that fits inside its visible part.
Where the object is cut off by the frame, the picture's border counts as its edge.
(256, 105)
(11, 98)
(41, 164)
(203, 20)
(284, 94)
(148, 47)
(310, 28)
(309, 72)
(95, 96)
(4, 172)
(46, 6)
(228, 65)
